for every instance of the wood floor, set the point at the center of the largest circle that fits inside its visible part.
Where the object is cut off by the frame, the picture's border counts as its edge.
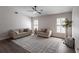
(7, 46)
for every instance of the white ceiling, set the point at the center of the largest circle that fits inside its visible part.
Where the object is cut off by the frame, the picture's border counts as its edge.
(27, 10)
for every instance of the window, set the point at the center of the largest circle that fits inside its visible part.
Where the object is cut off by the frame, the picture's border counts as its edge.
(29, 24)
(35, 24)
(60, 28)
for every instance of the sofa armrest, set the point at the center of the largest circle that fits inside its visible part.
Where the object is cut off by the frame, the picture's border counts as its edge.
(12, 34)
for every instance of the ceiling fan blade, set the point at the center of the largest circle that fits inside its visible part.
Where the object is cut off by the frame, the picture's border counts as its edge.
(33, 8)
(39, 12)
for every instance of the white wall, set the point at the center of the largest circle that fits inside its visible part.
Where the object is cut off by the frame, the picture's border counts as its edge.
(75, 27)
(49, 22)
(10, 20)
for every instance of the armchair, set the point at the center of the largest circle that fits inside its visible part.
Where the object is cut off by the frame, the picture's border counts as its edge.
(46, 33)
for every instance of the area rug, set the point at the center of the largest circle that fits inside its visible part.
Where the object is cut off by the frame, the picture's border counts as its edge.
(36, 44)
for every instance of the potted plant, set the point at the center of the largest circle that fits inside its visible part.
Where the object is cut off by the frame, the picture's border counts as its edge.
(68, 40)
(67, 24)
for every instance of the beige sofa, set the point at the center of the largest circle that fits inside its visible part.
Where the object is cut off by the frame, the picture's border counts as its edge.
(44, 33)
(19, 33)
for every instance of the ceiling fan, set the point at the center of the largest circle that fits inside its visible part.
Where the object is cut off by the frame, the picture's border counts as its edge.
(35, 9)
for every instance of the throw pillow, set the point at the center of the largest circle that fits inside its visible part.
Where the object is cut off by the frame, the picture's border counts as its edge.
(45, 30)
(16, 32)
(26, 30)
(20, 30)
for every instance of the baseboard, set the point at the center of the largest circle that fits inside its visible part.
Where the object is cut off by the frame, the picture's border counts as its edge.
(3, 38)
(58, 37)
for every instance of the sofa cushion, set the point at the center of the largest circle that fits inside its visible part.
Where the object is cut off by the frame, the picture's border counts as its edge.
(20, 30)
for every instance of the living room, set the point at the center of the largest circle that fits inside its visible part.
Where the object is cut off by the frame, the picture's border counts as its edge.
(29, 21)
